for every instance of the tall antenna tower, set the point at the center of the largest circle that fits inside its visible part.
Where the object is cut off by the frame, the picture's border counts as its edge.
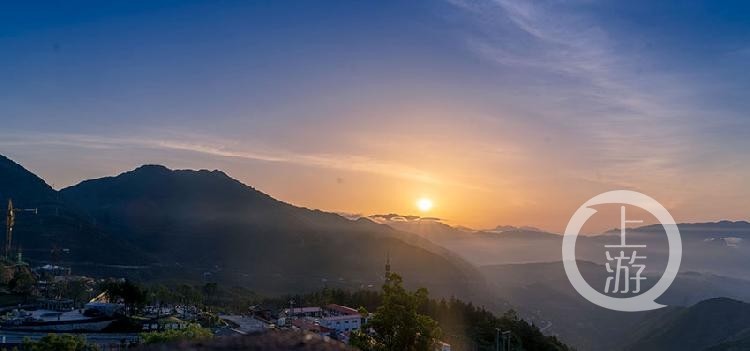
(387, 265)
(10, 220)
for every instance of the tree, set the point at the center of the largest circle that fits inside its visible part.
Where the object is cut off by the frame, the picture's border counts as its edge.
(209, 291)
(6, 273)
(132, 295)
(187, 295)
(22, 283)
(163, 295)
(469, 327)
(397, 324)
(77, 290)
(59, 342)
(192, 332)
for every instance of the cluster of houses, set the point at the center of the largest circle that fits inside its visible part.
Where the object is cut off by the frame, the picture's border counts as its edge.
(53, 314)
(331, 321)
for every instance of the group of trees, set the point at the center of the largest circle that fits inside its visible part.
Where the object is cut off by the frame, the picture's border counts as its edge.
(469, 327)
(191, 332)
(398, 323)
(405, 320)
(208, 296)
(21, 281)
(59, 342)
(17, 279)
(132, 295)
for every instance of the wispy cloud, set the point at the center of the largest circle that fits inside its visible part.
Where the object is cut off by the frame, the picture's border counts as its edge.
(626, 118)
(211, 147)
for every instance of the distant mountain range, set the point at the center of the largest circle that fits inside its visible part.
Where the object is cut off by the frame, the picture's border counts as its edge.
(504, 244)
(523, 266)
(721, 248)
(510, 228)
(719, 324)
(184, 225)
(543, 293)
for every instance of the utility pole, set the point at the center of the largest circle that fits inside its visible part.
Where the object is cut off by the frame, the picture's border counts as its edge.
(9, 222)
(291, 312)
(502, 338)
(506, 340)
(497, 339)
(387, 265)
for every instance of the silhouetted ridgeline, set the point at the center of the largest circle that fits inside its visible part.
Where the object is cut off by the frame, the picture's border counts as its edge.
(154, 223)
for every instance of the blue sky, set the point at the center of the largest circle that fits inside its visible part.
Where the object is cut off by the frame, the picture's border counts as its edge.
(502, 111)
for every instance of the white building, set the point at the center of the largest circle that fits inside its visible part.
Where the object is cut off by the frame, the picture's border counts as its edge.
(342, 319)
(303, 312)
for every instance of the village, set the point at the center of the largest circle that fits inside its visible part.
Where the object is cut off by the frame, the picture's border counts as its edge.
(115, 314)
(49, 300)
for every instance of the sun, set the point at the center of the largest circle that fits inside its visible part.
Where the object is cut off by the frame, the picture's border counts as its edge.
(424, 204)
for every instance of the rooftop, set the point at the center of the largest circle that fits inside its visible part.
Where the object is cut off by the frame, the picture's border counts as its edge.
(341, 309)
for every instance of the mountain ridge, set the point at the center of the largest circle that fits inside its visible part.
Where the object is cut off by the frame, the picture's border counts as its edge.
(203, 224)
(713, 324)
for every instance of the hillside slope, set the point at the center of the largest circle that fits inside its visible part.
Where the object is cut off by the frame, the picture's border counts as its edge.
(715, 324)
(206, 224)
(57, 223)
(153, 223)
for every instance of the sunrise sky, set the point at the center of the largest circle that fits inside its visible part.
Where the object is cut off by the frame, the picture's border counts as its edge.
(498, 112)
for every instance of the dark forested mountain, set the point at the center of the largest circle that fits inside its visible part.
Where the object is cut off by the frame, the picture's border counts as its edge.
(156, 223)
(206, 224)
(715, 324)
(18, 183)
(56, 224)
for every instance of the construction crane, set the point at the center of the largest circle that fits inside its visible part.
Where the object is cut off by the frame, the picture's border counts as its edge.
(9, 222)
